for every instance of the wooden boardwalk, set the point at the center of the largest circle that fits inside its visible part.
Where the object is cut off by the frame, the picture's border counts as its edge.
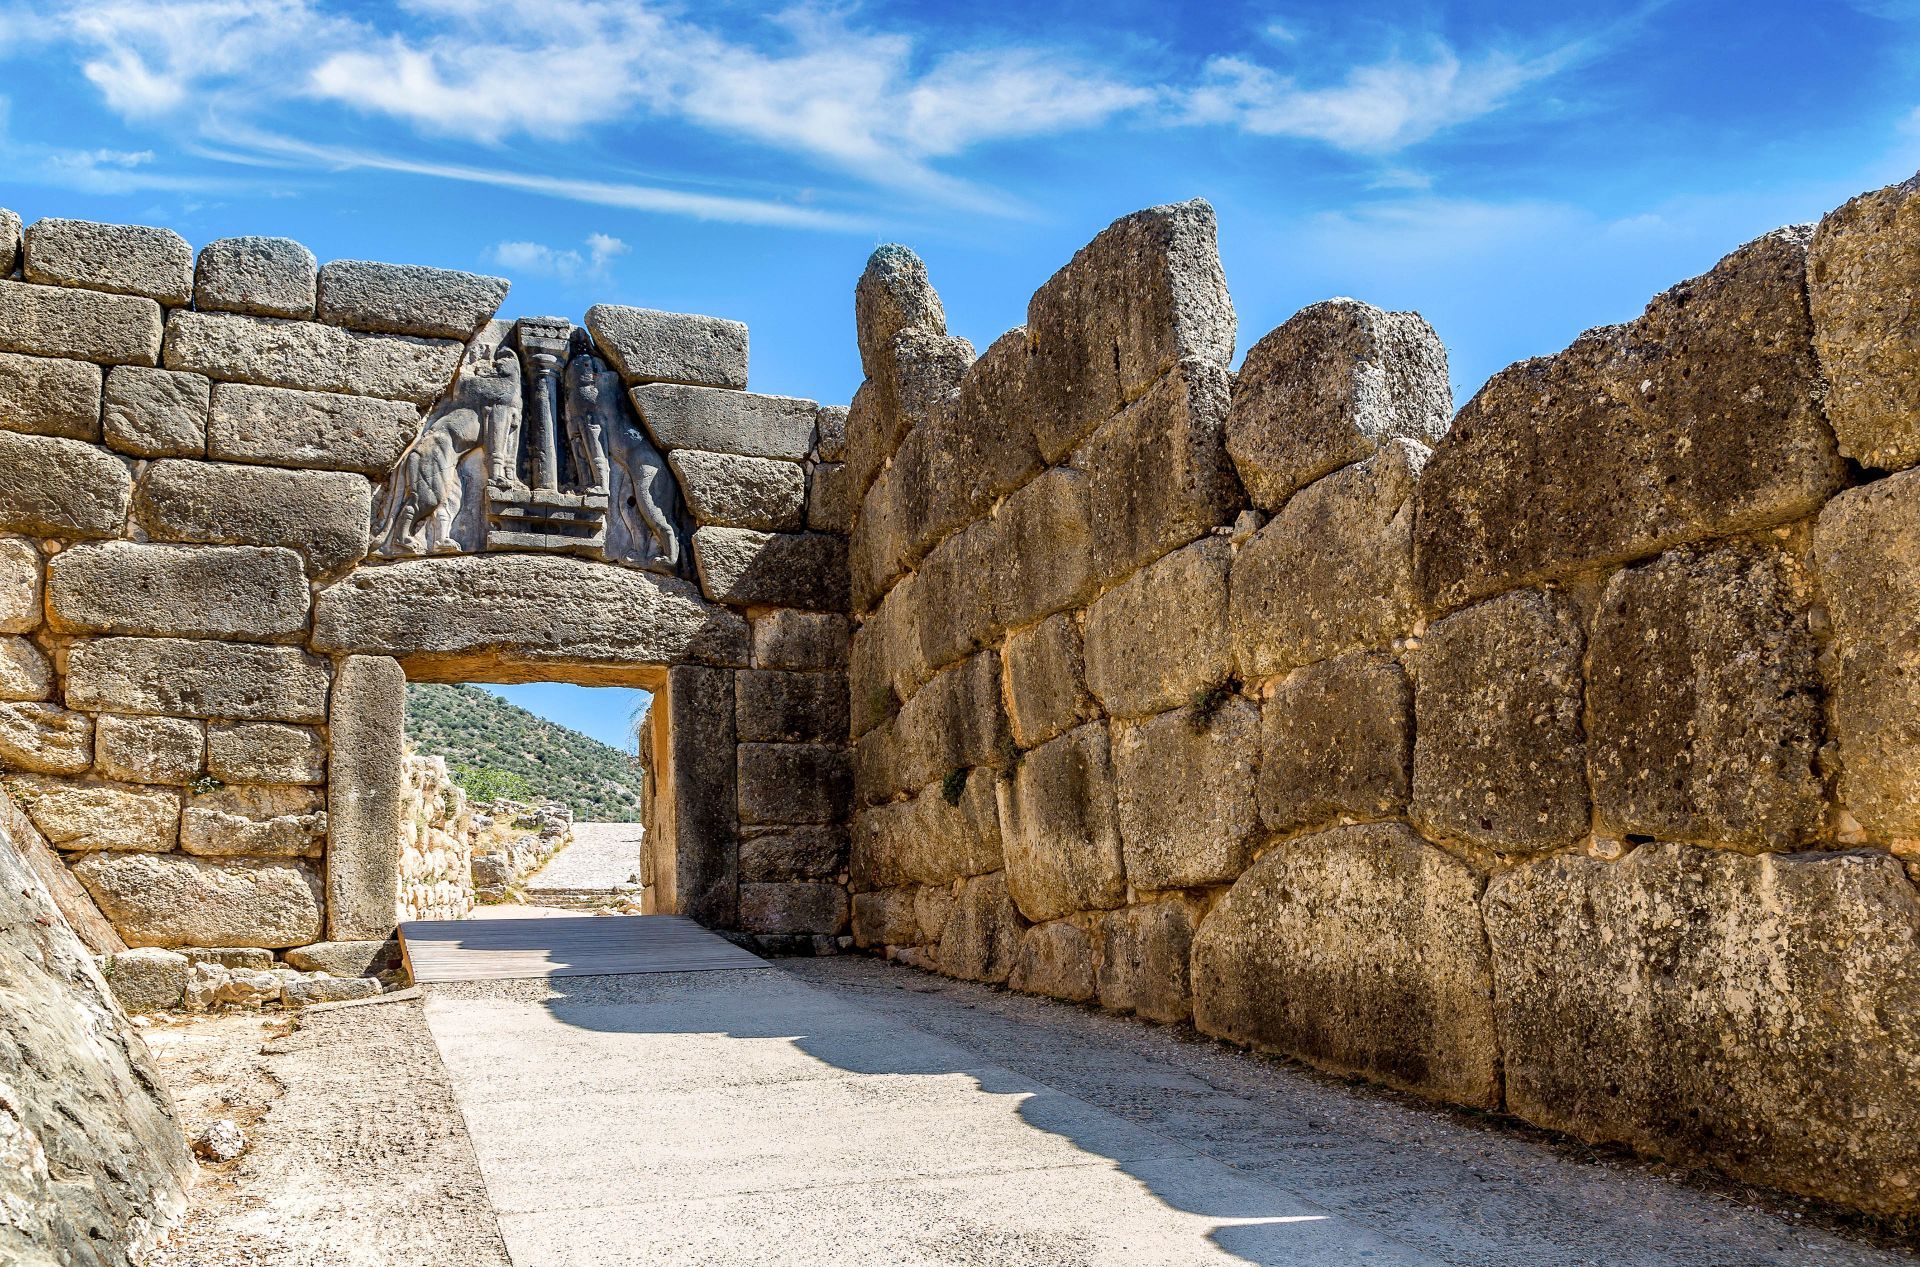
(589, 946)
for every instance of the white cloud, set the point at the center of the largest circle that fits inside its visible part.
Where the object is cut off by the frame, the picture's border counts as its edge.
(568, 265)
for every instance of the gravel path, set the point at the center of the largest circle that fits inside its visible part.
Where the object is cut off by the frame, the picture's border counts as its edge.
(603, 856)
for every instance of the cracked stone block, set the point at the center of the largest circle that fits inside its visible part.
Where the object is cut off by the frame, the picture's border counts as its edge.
(100, 816)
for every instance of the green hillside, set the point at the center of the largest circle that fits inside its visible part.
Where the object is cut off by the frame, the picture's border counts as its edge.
(498, 749)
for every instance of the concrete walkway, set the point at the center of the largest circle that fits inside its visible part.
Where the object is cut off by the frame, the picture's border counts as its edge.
(854, 1112)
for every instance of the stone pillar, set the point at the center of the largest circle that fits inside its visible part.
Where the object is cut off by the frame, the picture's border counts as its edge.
(365, 784)
(704, 867)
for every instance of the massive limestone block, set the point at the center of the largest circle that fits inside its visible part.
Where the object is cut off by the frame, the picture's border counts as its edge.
(61, 488)
(20, 585)
(647, 346)
(278, 427)
(982, 932)
(1159, 639)
(154, 413)
(1185, 794)
(1700, 418)
(50, 396)
(1056, 960)
(1159, 474)
(793, 909)
(955, 722)
(366, 791)
(186, 677)
(1867, 553)
(1333, 571)
(892, 295)
(86, 325)
(1062, 834)
(266, 752)
(779, 707)
(1336, 741)
(176, 900)
(782, 569)
(915, 381)
(408, 298)
(799, 852)
(1863, 271)
(127, 258)
(1704, 701)
(793, 783)
(742, 492)
(885, 662)
(449, 617)
(308, 355)
(45, 738)
(214, 833)
(103, 816)
(132, 587)
(1761, 1014)
(10, 234)
(1359, 950)
(721, 421)
(322, 514)
(25, 671)
(1146, 293)
(929, 838)
(958, 601)
(1046, 682)
(263, 277)
(885, 918)
(983, 440)
(787, 639)
(1043, 547)
(1334, 384)
(149, 749)
(1498, 755)
(1144, 952)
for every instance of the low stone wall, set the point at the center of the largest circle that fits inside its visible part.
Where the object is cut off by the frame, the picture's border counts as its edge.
(1557, 757)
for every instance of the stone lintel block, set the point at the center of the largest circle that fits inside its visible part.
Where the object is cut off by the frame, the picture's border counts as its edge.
(323, 514)
(408, 299)
(83, 324)
(124, 258)
(50, 396)
(181, 591)
(45, 738)
(1039, 549)
(820, 909)
(1336, 743)
(1060, 829)
(720, 421)
(1185, 783)
(81, 817)
(266, 752)
(789, 853)
(277, 426)
(366, 791)
(784, 638)
(1359, 950)
(262, 277)
(793, 783)
(187, 677)
(780, 707)
(1144, 953)
(982, 931)
(1328, 388)
(20, 585)
(271, 352)
(1055, 960)
(1863, 269)
(742, 492)
(1046, 681)
(153, 413)
(742, 567)
(1159, 639)
(25, 671)
(177, 900)
(56, 487)
(648, 346)
(149, 749)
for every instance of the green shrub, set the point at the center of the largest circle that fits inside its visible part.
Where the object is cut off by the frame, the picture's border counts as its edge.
(484, 784)
(954, 786)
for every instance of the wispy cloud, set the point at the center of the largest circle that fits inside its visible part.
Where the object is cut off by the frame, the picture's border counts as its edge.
(563, 264)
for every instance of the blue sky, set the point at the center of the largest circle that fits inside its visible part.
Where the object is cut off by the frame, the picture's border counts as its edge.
(1516, 172)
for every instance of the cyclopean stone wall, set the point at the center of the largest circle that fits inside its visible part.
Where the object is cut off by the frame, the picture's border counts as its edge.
(243, 498)
(1558, 756)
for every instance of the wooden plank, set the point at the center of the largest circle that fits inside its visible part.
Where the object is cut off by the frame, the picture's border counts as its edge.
(592, 945)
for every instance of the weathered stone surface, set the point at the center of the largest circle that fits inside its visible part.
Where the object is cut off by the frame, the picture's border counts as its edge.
(323, 514)
(831, 505)
(954, 722)
(697, 863)
(61, 488)
(1336, 741)
(309, 356)
(787, 639)
(1146, 293)
(1159, 474)
(914, 382)
(1358, 950)
(1185, 794)
(1757, 1013)
(263, 277)
(127, 258)
(1863, 270)
(49, 396)
(1700, 418)
(97, 1164)
(263, 800)
(892, 295)
(1703, 701)
(133, 587)
(929, 839)
(408, 298)
(346, 958)
(982, 932)
(147, 980)
(647, 346)
(886, 663)
(793, 783)
(787, 569)
(266, 752)
(278, 427)
(745, 423)
(885, 918)
(109, 816)
(20, 585)
(181, 676)
(1062, 835)
(83, 324)
(1498, 755)
(306, 991)
(967, 586)
(830, 424)
(1046, 687)
(1056, 960)
(1042, 546)
(365, 794)
(794, 853)
(793, 908)
(1333, 571)
(154, 413)
(446, 618)
(177, 900)
(68, 894)
(742, 492)
(10, 235)
(1144, 951)
(25, 671)
(1335, 383)
(219, 834)
(932, 904)
(45, 738)
(252, 958)
(791, 707)
(1867, 552)
(149, 749)
(1159, 639)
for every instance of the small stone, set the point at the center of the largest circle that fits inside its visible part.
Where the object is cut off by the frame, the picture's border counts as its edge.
(149, 749)
(154, 413)
(648, 346)
(830, 423)
(100, 816)
(25, 671)
(10, 235)
(830, 501)
(222, 1141)
(256, 958)
(61, 488)
(82, 324)
(148, 980)
(133, 587)
(266, 752)
(128, 259)
(211, 985)
(719, 421)
(742, 492)
(309, 990)
(276, 426)
(408, 299)
(1062, 834)
(308, 356)
(264, 277)
(323, 514)
(49, 396)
